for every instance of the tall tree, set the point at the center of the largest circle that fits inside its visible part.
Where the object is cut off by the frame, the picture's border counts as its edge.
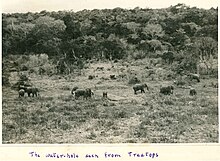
(46, 35)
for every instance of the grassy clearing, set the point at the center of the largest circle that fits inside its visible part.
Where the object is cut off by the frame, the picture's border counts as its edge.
(56, 117)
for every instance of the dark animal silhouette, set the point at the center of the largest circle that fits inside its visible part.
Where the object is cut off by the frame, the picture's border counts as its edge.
(89, 93)
(74, 89)
(105, 95)
(167, 90)
(85, 93)
(140, 87)
(32, 90)
(112, 76)
(91, 77)
(21, 87)
(192, 92)
(21, 92)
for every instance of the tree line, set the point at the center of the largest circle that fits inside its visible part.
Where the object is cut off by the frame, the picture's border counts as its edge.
(188, 32)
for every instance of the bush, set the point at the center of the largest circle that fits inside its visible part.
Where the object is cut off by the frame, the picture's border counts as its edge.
(133, 80)
(91, 77)
(34, 61)
(138, 55)
(24, 68)
(43, 58)
(49, 69)
(38, 63)
(31, 71)
(31, 61)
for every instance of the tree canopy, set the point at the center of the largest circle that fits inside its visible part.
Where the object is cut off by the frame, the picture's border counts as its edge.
(111, 33)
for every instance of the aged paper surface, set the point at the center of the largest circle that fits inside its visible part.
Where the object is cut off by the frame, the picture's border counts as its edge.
(101, 151)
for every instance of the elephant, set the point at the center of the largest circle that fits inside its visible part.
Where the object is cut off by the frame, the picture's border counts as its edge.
(192, 92)
(32, 90)
(21, 92)
(105, 94)
(140, 87)
(85, 93)
(167, 90)
(74, 89)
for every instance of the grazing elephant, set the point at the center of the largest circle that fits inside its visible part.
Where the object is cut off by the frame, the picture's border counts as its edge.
(140, 87)
(104, 94)
(192, 92)
(21, 92)
(85, 93)
(88, 93)
(91, 77)
(74, 89)
(32, 90)
(167, 90)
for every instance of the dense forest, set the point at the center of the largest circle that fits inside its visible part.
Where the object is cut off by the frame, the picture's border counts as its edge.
(190, 33)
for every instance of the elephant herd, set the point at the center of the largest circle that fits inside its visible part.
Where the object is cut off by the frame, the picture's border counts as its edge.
(29, 90)
(87, 93)
(163, 90)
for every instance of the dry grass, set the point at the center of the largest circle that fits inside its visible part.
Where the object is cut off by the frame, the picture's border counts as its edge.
(56, 117)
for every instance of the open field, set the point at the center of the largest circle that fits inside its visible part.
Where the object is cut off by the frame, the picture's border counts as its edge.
(56, 117)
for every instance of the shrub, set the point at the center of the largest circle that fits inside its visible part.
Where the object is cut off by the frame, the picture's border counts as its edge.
(91, 77)
(138, 55)
(31, 71)
(41, 71)
(43, 58)
(133, 80)
(48, 69)
(37, 60)
(24, 68)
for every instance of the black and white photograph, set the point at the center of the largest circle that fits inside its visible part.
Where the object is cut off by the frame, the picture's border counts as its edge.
(109, 71)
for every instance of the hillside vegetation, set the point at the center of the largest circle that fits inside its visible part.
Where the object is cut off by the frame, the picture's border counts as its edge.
(109, 51)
